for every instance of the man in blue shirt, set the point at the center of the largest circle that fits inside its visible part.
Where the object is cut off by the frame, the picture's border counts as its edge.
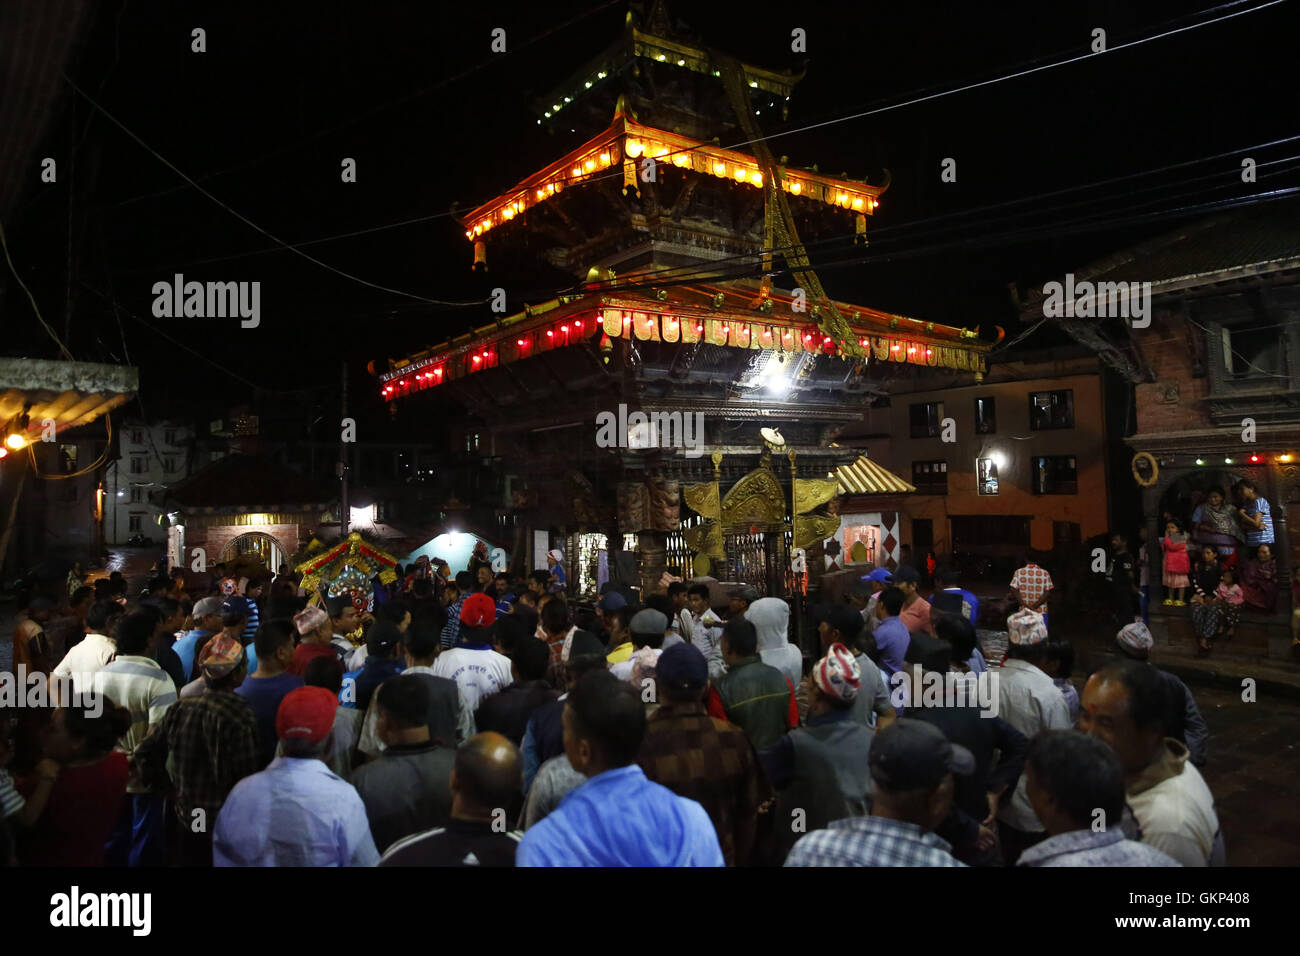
(891, 634)
(207, 621)
(618, 817)
(266, 686)
(296, 812)
(951, 599)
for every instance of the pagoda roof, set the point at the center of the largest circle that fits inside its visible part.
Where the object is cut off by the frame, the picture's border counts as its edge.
(733, 315)
(652, 43)
(622, 147)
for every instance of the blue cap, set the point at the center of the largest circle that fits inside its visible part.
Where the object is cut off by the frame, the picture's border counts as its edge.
(682, 665)
(880, 574)
(612, 601)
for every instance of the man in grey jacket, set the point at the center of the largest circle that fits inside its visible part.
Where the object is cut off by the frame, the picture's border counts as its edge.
(408, 789)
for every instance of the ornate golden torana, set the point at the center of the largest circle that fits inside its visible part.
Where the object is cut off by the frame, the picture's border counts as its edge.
(704, 499)
(812, 492)
(757, 498)
(809, 529)
(352, 557)
(706, 538)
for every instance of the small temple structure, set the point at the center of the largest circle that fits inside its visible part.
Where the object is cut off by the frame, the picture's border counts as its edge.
(697, 359)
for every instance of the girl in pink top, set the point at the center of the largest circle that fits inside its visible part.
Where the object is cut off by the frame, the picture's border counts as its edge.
(1177, 564)
(1230, 594)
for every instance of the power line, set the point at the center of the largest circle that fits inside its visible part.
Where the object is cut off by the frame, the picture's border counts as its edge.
(492, 60)
(244, 219)
(4, 242)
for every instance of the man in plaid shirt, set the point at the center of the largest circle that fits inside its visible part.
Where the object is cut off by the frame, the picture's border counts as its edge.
(212, 740)
(456, 594)
(912, 764)
(701, 758)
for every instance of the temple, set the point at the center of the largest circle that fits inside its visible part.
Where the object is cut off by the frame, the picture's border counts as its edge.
(694, 300)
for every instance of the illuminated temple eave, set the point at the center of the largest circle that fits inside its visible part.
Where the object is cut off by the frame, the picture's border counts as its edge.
(586, 319)
(626, 140)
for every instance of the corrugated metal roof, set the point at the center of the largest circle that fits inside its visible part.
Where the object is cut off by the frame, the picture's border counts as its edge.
(865, 477)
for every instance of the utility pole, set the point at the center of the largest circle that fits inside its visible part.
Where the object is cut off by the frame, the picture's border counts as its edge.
(345, 511)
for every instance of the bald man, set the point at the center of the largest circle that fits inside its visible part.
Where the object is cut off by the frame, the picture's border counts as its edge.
(485, 783)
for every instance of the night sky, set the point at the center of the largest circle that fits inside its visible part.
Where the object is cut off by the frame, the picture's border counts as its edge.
(432, 116)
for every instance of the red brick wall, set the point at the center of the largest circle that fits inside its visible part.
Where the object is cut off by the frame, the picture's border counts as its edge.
(1167, 347)
(214, 539)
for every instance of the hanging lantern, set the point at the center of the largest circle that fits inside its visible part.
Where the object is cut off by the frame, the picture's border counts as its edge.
(480, 256)
(606, 347)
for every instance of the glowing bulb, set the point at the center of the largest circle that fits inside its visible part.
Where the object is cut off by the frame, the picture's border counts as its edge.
(1200, 461)
(720, 169)
(1227, 461)
(857, 202)
(590, 165)
(634, 148)
(541, 194)
(740, 174)
(661, 58)
(577, 170)
(796, 188)
(681, 159)
(519, 342)
(604, 159)
(600, 75)
(681, 62)
(753, 84)
(550, 334)
(756, 178)
(1284, 458)
(1254, 459)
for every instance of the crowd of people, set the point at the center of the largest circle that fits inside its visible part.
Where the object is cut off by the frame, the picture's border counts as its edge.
(478, 719)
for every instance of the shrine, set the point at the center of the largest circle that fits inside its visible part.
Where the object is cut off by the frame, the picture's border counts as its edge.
(694, 295)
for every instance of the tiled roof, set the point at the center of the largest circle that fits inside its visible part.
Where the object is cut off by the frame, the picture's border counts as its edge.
(252, 481)
(1246, 236)
(865, 477)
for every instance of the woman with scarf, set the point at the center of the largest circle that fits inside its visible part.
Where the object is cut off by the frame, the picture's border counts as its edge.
(1259, 581)
(1216, 524)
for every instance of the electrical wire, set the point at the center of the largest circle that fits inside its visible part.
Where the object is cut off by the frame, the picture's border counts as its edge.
(597, 178)
(248, 222)
(492, 60)
(108, 446)
(4, 242)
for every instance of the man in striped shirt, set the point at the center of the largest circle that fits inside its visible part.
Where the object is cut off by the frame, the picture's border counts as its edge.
(136, 682)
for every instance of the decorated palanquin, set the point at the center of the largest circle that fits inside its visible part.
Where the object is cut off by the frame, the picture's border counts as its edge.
(348, 569)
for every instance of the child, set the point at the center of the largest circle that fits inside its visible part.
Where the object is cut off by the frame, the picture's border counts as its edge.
(1177, 564)
(1229, 592)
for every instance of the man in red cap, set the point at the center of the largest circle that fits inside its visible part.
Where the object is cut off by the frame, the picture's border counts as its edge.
(477, 669)
(296, 812)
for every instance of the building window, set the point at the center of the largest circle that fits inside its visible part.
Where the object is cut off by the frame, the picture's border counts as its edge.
(1051, 409)
(1253, 350)
(988, 476)
(1055, 475)
(471, 442)
(926, 419)
(169, 464)
(135, 523)
(930, 477)
(68, 458)
(986, 416)
(137, 495)
(139, 465)
(1066, 533)
(137, 436)
(169, 436)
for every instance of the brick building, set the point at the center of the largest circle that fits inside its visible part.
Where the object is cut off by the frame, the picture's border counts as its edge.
(1215, 381)
(245, 505)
